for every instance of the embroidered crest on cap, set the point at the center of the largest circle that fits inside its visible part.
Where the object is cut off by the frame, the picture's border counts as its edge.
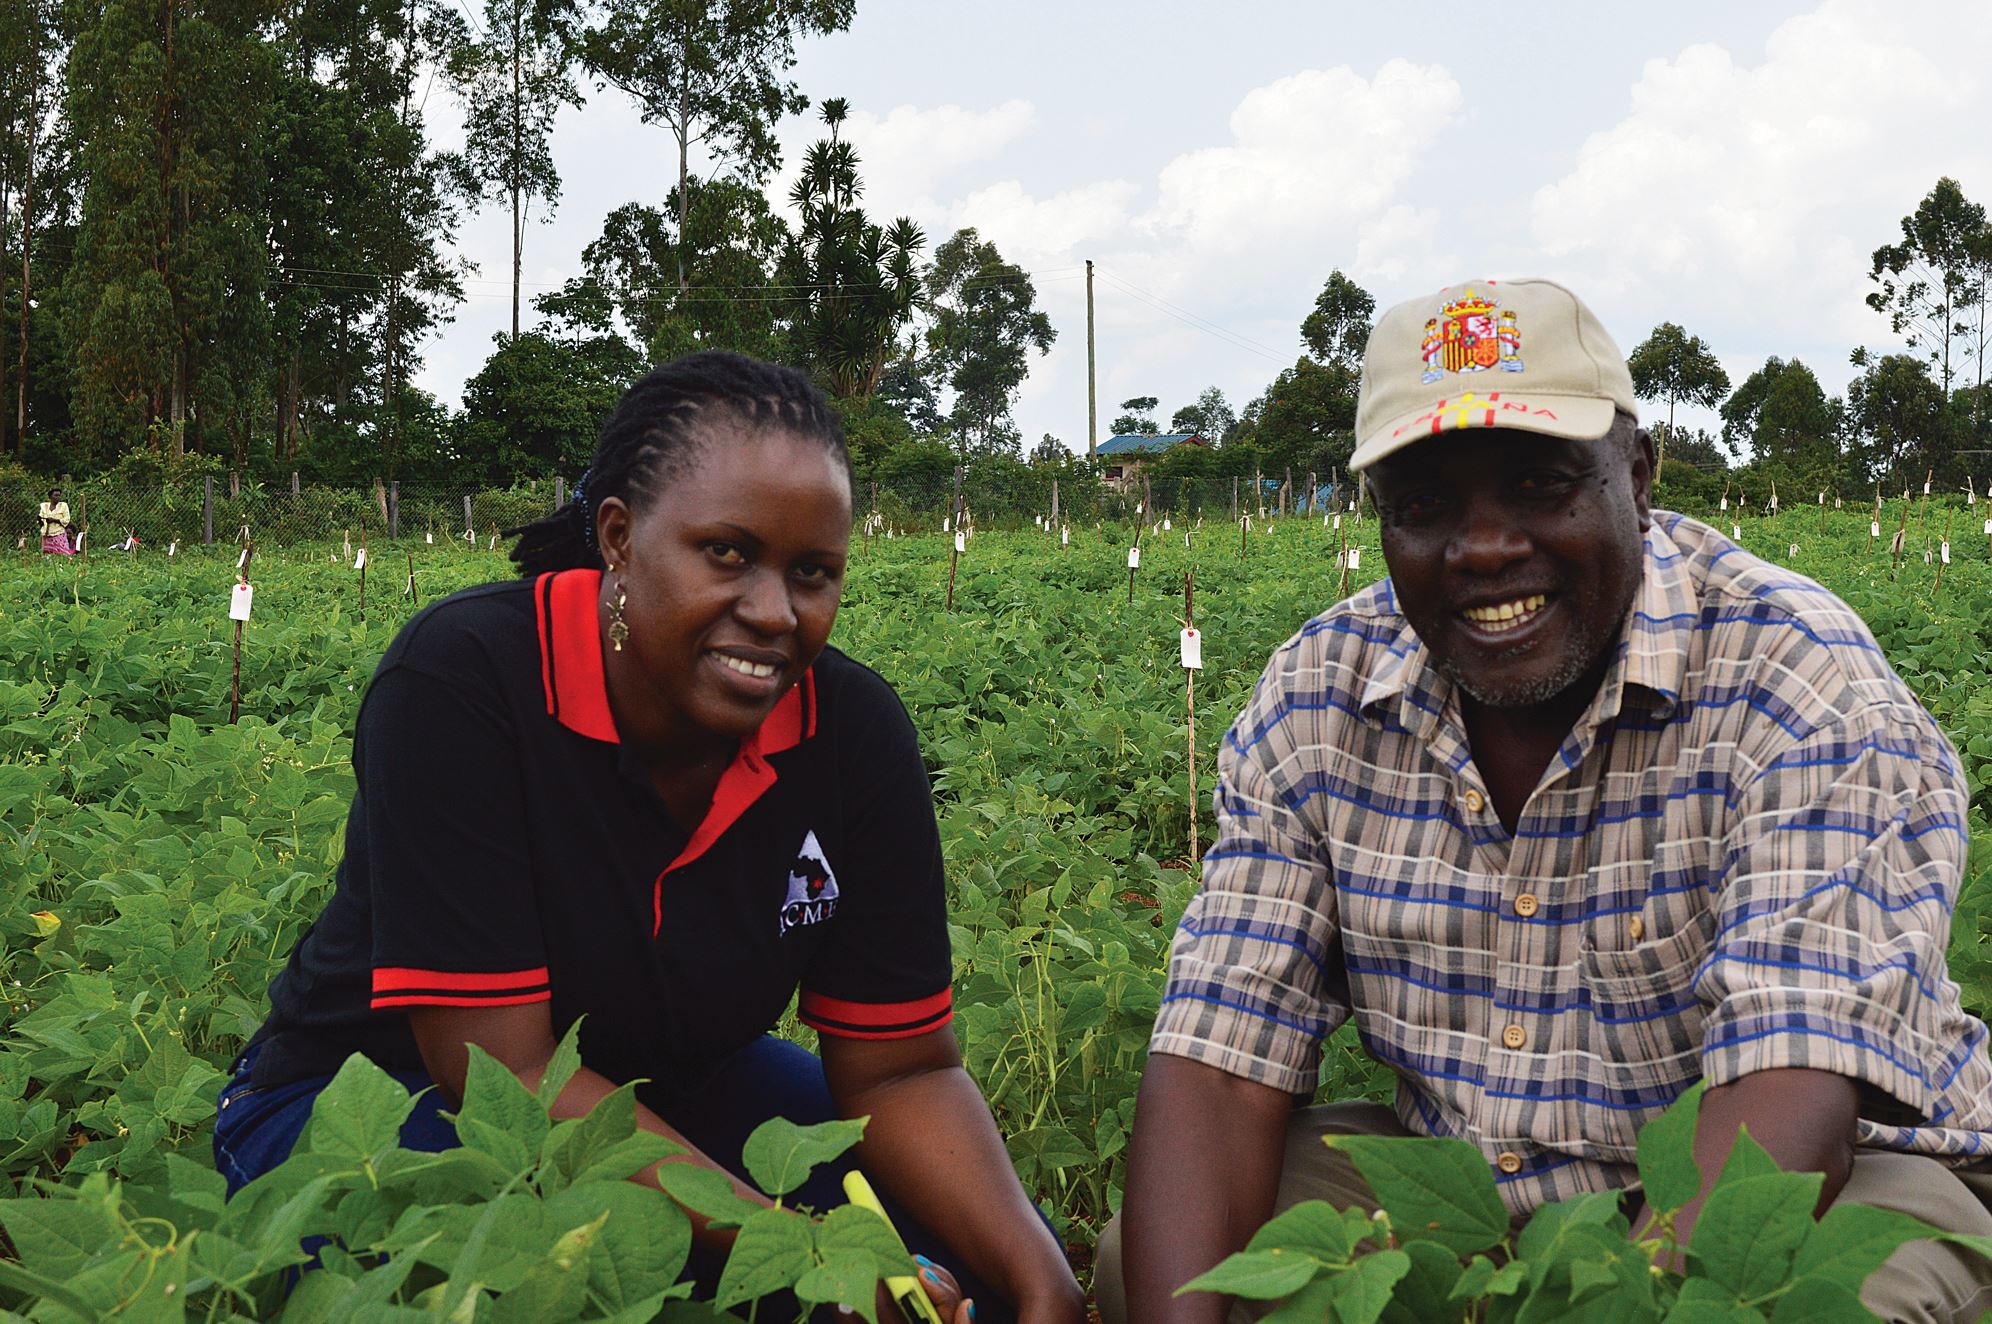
(1469, 336)
(812, 887)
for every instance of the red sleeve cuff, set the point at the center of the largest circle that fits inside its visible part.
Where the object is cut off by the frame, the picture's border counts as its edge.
(403, 986)
(876, 1020)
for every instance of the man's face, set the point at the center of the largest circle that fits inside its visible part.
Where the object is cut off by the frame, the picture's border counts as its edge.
(1515, 556)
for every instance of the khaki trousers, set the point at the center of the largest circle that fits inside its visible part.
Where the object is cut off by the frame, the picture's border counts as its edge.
(1925, 1282)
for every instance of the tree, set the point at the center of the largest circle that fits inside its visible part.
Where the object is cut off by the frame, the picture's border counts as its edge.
(1337, 331)
(1786, 419)
(1210, 417)
(710, 71)
(535, 406)
(1306, 419)
(1896, 416)
(986, 323)
(1139, 418)
(1050, 450)
(514, 79)
(29, 111)
(857, 282)
(1674, 366)
(1933, 275)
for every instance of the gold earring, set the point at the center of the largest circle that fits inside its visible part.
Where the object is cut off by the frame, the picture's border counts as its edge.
(618, 627)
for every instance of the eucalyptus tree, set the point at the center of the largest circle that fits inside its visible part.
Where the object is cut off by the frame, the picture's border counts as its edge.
(1926, 283)
(30, 111)
(712, 72)
(1674, 366)
(986, 322)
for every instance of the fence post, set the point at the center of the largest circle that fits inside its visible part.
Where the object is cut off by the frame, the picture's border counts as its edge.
(294, 488)
(469, 526)
(559, 492)
(207, 511)
(1054, 503)
(1234, 498)
(394, 509)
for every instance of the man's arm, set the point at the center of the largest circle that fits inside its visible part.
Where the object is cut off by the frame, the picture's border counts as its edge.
(1804, 1119)
(1203, 1170)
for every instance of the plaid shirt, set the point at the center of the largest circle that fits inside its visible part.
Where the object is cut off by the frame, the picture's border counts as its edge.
(1744, 856)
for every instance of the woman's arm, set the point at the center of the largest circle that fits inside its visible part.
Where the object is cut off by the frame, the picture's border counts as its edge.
(522, 1039)
(934, 1146)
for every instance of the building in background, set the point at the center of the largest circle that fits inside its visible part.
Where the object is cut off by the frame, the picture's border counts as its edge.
(1122, 458)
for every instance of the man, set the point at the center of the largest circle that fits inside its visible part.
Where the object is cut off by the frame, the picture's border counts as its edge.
(1582, 804)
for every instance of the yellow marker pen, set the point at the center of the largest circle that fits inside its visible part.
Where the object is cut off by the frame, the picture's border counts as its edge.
(913, 1301)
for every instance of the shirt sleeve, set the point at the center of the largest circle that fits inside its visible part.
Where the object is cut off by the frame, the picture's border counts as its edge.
(1249, 990)
(1843, 860)
(441, 803)
(884, 971)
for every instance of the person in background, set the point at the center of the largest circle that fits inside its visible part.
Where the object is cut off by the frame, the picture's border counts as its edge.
(55, 526)
(1582, 805)
(636, 788)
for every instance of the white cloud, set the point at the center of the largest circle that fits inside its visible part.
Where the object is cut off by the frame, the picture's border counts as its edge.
(1320, 147)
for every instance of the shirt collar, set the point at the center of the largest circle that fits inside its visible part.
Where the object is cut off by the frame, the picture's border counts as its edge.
(576, 688)
(1652, 649)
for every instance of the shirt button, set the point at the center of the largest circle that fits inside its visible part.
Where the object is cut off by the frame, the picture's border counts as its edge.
(1526, 904)
(1637, 928)
(1475, 802)
(1509, 1162)
(1514, 1036)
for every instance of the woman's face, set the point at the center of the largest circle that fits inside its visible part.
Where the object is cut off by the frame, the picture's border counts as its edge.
(733, 572)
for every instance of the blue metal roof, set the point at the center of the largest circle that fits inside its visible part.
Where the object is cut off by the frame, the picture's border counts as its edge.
(1140, 445)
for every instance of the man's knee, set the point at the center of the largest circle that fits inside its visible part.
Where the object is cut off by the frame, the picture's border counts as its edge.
(1925, 1282)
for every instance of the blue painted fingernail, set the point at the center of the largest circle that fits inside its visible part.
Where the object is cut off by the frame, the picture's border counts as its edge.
(923, 1259)
(971, 1310)
(930, 1275)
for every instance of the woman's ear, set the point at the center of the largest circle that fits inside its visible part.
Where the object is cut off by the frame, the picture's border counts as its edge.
(613, 529)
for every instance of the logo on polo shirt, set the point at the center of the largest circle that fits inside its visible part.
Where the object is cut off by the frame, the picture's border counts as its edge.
(812, 889)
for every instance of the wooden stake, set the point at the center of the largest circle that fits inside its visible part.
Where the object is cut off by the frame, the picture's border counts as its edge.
(954, 525)
(1901, 537)
(1943, 549)
(235, 682)
(411, 580)
(1190, 705)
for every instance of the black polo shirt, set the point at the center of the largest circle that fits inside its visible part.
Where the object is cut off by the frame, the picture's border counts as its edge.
(504, 848)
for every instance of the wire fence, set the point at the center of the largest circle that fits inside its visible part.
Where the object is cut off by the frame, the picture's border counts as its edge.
(103, 514)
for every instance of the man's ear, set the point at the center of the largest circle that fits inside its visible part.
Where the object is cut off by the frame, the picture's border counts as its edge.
(1642, 477)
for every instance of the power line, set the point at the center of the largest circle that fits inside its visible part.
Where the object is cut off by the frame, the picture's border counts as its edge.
(1193, 320)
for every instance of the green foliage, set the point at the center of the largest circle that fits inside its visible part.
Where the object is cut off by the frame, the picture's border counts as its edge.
(986, 323)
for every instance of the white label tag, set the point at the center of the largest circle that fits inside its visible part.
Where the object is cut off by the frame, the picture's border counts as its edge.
(1165, 524)
(1927, 558)
(173, 548)
(429, 538)
(360, 559)
(1874, 528)
(1774, 501)
(961, 541)
(1065, 537)
(1134, 558)
(1192, 651)
(1186, 537)
(1926, 487)
(1792, 550)
(494, 544)
(944, 524)
(242, 560)
(1725, 503)
(1946, 553)
(1736, 533)
(1355, 558)
(1988, 528)
(1352, 507)
(1822, 498)
(1138, 506)
(1338, 521)
(238, 602)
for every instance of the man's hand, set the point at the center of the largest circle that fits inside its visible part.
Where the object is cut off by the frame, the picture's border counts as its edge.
(1203, 1172)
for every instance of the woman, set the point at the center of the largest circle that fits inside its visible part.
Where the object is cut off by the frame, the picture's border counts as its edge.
(636, 786)
(54, 515)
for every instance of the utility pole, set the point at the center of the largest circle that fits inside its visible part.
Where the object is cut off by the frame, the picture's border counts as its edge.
(1092, 388)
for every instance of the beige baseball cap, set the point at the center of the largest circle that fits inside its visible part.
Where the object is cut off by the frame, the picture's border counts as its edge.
(1484, 353)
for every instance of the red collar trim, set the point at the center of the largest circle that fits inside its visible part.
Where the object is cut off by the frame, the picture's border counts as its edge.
(576, 688)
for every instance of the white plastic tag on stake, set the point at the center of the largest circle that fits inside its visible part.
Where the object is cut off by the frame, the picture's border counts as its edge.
(1355, 558)
(944, 524)
(1192, 651)
(1793, 550)
(1165, 524)
(173, 548)
(429, 538)
(1736, 533)
(1065, 536)
(360, 559)
(1927, 558)
(1946, 553)
(961, 541)
(1988, 528)
(1774, 501)
(1822, 498)
(1725, 503)
(494, 544)
(1186, 537)
(1926, 487)
(1874, 527)
(238, 602)
(1134, 558)
(1138, 505)
(244, 560)
(1338, 521)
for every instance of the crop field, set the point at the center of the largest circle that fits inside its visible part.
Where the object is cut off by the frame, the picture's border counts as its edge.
(157, 863)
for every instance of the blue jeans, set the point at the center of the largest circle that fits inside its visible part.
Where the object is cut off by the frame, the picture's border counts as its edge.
(255, 1130)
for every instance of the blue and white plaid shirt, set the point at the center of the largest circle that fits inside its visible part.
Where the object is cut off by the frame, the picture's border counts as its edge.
(1744, 856)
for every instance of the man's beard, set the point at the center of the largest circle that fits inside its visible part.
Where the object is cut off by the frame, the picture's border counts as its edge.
(1586, 644)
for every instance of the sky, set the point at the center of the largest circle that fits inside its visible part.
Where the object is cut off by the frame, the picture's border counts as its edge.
(1726, 166)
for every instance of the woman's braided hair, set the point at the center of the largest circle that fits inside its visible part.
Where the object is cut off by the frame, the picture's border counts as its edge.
(654, 433)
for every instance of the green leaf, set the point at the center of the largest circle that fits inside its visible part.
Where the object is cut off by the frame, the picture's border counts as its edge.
(642, 1247)
(1425, 1292)
(1473, 1280)
(1363, 1290)
(57, 1236)
(1437, 1190)
(850, 1227)
(771, 1253)
(1312, 1304)
(847, 1277)
(1750, 1230)
(1260, 1275)
(1853, 1240)
(1686, 1311)
(1816, 1301)
(1314, 1226)
(706, 1192)
(358, 1115)
(780, 1154)
(1667, 1167)
(560, 1068)
(500, 1116)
